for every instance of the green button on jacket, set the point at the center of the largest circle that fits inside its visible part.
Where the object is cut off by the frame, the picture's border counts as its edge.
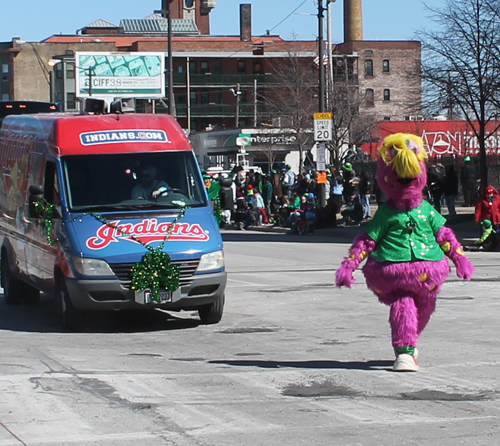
(404, 236)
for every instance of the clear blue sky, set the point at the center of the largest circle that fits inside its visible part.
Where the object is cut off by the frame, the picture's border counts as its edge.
(35, 20)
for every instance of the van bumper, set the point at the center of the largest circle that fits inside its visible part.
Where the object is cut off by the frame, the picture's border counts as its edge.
(111, 294)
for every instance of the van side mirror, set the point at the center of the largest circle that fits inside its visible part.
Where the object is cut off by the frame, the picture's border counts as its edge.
(36, 194)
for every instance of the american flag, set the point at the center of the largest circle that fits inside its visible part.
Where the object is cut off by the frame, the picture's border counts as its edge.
(325, 59)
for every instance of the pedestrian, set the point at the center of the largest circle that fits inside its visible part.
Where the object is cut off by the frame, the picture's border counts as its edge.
(488, 207)
(350, 182)
(365, 187)
(241, 209)
(288, 180)
(337, 189)
(226, 199)
(353, 213)
(487, 242)
(435, 186)
(380, 197)
(468, 178)
(267, 195)
(450, 189)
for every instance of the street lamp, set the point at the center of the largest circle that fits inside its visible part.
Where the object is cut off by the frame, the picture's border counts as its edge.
(237, 93)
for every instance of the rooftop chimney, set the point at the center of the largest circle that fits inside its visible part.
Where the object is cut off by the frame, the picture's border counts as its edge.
(353, 20)
(246, 22)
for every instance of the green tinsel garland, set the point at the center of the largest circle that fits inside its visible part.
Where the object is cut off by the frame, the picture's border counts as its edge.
(47, 211)
(155, 271)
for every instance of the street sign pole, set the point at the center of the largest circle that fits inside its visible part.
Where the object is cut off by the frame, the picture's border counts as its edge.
(323, 132)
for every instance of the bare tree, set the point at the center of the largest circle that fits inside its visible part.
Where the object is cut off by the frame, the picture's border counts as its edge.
(344, 100)
(461, 66)
(294, 100)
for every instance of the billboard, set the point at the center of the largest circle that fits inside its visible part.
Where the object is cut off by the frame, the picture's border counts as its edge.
(120, 75)
(440, 137)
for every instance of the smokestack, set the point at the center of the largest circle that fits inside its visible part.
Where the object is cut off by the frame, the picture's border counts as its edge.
(246, 22)
(353, 20)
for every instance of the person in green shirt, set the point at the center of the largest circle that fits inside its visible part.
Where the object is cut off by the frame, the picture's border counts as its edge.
(488, 240)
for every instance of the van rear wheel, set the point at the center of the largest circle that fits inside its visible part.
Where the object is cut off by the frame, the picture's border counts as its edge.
(212, 313)
(12, 287)
(70, 317)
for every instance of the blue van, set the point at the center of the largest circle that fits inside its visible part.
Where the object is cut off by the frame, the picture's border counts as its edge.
(85, 198)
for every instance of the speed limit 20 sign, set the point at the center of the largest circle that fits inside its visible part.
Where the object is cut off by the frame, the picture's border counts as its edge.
(323, 126)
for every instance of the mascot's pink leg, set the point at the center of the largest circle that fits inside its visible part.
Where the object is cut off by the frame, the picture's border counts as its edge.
(404, 322)
(425, 309)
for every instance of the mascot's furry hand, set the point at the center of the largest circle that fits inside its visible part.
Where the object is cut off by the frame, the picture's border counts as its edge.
(453, 249)
(363, 245)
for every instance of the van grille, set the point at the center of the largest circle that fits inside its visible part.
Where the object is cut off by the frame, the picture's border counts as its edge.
(186, 271)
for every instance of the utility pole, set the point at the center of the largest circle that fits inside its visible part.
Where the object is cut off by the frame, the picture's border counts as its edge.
(321, 67)
(165, 13)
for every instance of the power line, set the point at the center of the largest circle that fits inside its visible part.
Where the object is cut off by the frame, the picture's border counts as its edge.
(288, 16)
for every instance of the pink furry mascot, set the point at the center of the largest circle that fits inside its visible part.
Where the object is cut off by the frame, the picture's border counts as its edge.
(405, 244)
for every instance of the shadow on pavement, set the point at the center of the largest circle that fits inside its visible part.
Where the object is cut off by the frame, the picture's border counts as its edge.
(41, 318)
(320, 364)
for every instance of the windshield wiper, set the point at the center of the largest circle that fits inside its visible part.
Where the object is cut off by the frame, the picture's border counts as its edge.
(102, 207)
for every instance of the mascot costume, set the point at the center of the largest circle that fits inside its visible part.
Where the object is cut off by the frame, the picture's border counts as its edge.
(405, 243)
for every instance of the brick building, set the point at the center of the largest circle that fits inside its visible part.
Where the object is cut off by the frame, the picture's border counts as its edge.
(232, 80)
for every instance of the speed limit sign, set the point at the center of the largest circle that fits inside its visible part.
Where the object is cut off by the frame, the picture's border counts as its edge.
(323, 127)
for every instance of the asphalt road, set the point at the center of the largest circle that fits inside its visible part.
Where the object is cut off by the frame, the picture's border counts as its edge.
(294, 361)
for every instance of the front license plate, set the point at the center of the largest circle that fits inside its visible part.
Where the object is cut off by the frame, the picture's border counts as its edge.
(144, 297)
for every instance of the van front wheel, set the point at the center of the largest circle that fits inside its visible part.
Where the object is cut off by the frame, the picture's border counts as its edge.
(69, 316)
(12, 287)
(212, 313)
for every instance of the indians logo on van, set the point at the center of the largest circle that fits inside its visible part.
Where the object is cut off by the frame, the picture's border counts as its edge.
(120, 136)
(147, 231)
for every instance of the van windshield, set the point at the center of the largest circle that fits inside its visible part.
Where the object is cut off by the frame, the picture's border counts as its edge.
(132, 180)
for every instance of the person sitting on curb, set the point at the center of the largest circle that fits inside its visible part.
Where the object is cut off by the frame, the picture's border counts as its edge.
(487, 242)
(353, 213)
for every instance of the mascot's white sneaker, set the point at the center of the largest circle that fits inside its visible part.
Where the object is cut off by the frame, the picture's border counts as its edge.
(405, 363)
(415, 353)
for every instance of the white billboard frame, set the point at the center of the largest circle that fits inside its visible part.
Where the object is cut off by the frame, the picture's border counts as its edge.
(119, 74)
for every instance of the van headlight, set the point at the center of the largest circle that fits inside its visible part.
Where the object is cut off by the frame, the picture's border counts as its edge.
(211, 261)
(92, 267)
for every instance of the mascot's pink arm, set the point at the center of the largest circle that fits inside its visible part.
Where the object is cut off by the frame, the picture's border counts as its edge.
(363, 245)
(453, 249)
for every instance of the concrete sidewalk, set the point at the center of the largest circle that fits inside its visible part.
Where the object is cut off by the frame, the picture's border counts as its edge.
(463, 225)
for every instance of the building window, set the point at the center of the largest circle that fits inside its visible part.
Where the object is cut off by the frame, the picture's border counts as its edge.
(5, 72)
(192, 67)
(257, 68)
(5, 97)
(59, 71)
(368, 67)
(71, 101)
(218, 98)
(205, 97)
(385, 66)
(387, 118)
(242, 67)
(216, 68)
(387, 94)
(369, 99)
(181, 98)
(369, 53)
(193, 97)
(204, 68)
(243, 96)
(70, 71)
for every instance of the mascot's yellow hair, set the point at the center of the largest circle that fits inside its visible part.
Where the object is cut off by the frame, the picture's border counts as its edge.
(405, 152)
